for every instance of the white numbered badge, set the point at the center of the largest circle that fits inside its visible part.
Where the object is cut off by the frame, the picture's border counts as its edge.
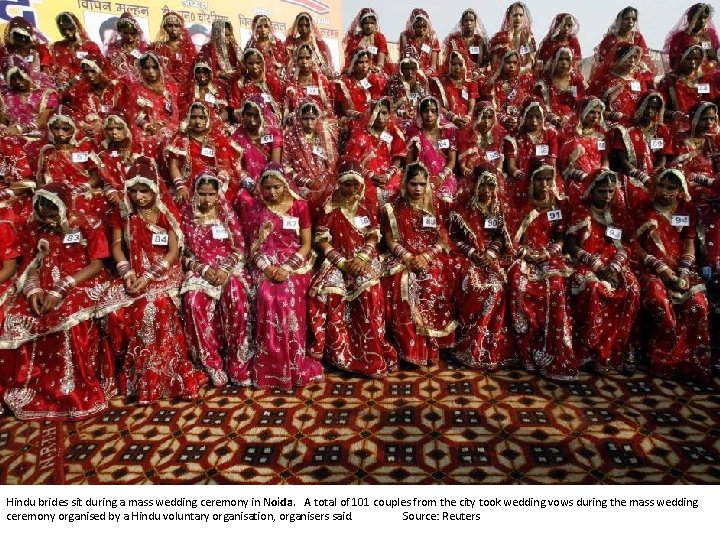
(554, 215)
(365, 84)
(707, 272)
(209, 98)
(524, 49)
(703, 88)
(207, 151)
(135, 53)
(160, 239)
(72, 238)
(425, 48)
(291, 223)
(319, 152)
(614, 233)
(267, 98)
(386, 137)
(168, 105)
(178, 56)
(635, 86)
(444, 144)
(80, 55)
(679, 220)
(265, 139)
(80, 157)
(657, 144)
(491, 223)
(429, 222)
(414, 96)
(706, 45)
(573, 90)
(492, 155)
(362, 221)
(601, 144)
(465, 94)
(312, 90)
(373, 49)
(104, 108)
(219, 232)
(542, 150)
(474, 50)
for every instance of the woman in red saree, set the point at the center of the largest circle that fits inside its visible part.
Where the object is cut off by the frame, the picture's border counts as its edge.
(304, 81)
(421, 272)
(635, 152)
(405, 90)
(25, 104)
(537, 280)
(9, 255)
(457, 94)
(507, 88)
(470, 39)
(277, 225)
(272, 47)
(50, 331)
(606, 292)
(697, 27)
(215, 290)
(257, 81)
(23, 40)
(346, 302)
(478, 227)
(420, 40)
(378, 145)
(203, 87)
(223, 54)
(174, 46)
(310, 154)
(67, 54)
(620, 83)
(673, 292)
(562, 35)
(584, 149)
(483, 144)
(358, 86)
(516, 29)
(144, 328)
(625, 29)
(304, 31)
(364, 34)
(126, 46)
(434, 144)
(696, 151)
(561, 87)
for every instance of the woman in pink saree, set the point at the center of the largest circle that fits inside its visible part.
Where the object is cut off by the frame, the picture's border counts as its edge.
(215, 290)
(277, 225)
(126, 45)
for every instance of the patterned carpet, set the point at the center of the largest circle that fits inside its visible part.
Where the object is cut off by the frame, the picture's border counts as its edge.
(442, 424)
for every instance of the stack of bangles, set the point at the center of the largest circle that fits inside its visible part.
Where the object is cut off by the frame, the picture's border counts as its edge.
(124, 269)
(178, 182)
(392, 171)
(62, 287)
(198, 268)
(687, 262)
(655, 264)
(156, 270)
(400, 252)
(229, 263)
(261, 262)
(294, 262)
(109, 191)
(554, 250)
(494, 249)
(618, 261)
(588, 259)
(466, 249)
(335, 258)
(433, 252)
(31, 287)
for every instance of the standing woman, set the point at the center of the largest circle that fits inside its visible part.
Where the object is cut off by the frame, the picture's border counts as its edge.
(364, 34)
(223, 53)
(539, 304)
(215, 290)
(175, 48)
(673, 294)
(277, 225)
(420, 41)
(68, 53)
(695, 26)
(517, 29)
(478, 227)
(126, 45)
(346, 303)
(263, 39)
(144, 321)
(23, 39)
(562, 34)
(50, 327)
(421, 273)
(304, 31)
(469, 38)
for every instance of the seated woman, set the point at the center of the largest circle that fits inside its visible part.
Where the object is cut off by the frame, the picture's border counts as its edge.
(9, 255)
(645, 146)
(478, 228)
(197, 147)
(606, 292)
(257, 81)
(277, 226)
(310, 154)
(620, 83)
(144, 328)
(695, 26)
(483, 144)
(346, 303)
(561, 87)
(697, 152)
(304, 31)
(223, 54)
(507, 88)
(305, 81)
(516, 30)
(562, 35)
(364, 34)
(68, 53)
(378, 144)
(53, 340)
(175, 48)
(421, 273)
(25, 105)
(24, 40)
(126, 46)
(405, 90)
(420, 40)
(470, 39)
(625, 29)
(673, 294)
(358, 86)
(434, 144)
(271, 46)
(537, 280)
(203, 87)
(455, 92)
(533, 140)
(215, 290)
